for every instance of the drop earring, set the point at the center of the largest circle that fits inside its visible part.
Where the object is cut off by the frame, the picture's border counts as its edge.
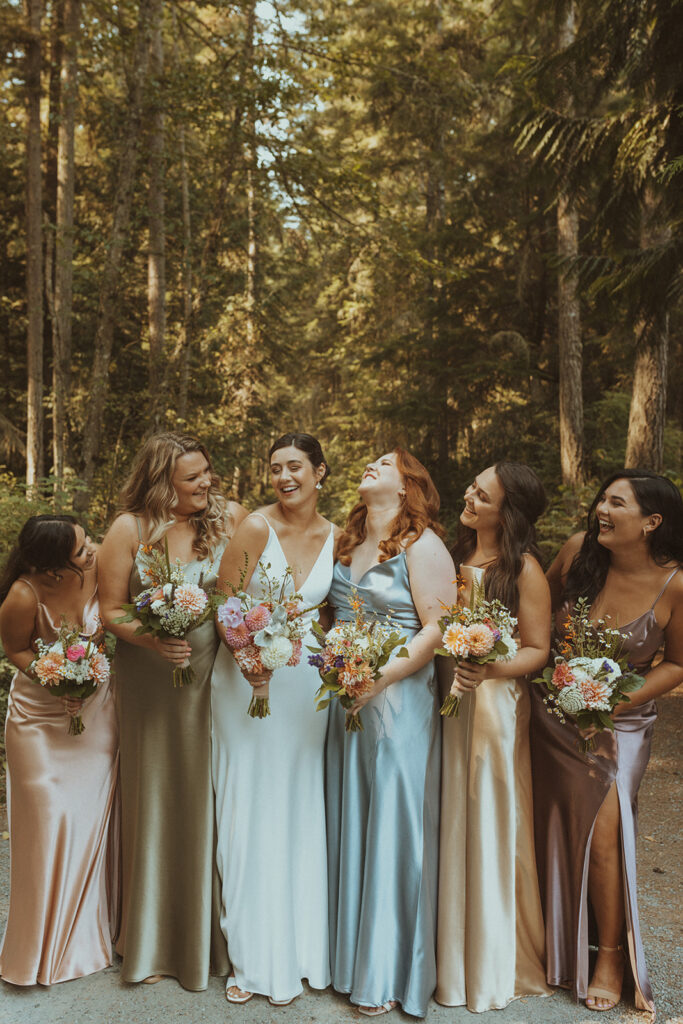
(318, 486)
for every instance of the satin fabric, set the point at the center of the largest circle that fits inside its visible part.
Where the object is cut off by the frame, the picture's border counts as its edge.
(268, 776)
(490, 926)
(62, 808)
(382, 788)
(170, 920)
(569, 789)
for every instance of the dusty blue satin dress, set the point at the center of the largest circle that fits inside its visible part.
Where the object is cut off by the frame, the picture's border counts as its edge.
(382, 790)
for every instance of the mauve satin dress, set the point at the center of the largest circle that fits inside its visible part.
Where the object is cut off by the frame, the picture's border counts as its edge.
(490, 946)
(170, 899)
(569, 789)
(62, 808)
(382, 789)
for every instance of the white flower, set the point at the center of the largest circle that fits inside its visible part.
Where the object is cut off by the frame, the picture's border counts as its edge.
(167, 590)
(511, 648)
(277, 653)
(570, 699)
(157, 606)
(609, 667)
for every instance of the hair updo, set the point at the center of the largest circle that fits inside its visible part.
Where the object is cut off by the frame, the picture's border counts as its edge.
(305, 443)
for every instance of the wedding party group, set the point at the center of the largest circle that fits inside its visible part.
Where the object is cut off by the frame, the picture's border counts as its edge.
(237, 795)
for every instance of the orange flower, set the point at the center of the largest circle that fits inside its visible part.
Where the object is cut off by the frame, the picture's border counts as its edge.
(456, 641)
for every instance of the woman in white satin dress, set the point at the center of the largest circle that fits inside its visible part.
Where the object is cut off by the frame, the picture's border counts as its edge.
(269, 773)
(490, 944)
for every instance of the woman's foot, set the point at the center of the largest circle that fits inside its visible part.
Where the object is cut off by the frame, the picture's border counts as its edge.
(235, 994)
(153, 979)
(280, 1002)
(604, 991)
(377, 1011)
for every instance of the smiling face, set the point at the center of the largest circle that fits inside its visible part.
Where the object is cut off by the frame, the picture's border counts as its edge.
(294, 476)
(191, 481)
(83, 552)
(483, 501)
(621, 521)
(382, 481)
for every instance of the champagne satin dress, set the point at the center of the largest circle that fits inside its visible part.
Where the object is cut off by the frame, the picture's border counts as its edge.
(62, 808)
(490, 925)
(382, 788)
(569, 788)
(170, 902)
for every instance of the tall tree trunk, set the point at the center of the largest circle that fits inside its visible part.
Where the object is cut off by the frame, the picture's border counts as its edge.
(645, 440)
(156, 259)
(186, 334)
(64, 242)
(127, 166)
(33, 10)
(569, 311)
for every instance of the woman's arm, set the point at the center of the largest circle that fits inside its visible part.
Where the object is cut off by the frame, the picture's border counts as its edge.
(116, 558)
(557, 573)
(534, 624)
(433, 585)
(17, 622)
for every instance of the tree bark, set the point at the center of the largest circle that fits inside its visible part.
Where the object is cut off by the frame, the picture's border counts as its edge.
(33, 10)
(108, 299)
(156, 259)
(645, 440)
(569, 313)
(186, 334)
(64, 242)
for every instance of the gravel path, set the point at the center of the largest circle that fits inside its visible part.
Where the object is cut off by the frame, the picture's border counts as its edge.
(104, 999)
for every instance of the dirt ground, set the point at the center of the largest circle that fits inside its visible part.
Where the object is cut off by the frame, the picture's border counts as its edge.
(104, 999)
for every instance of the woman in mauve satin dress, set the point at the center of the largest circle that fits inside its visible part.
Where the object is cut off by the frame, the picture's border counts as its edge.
(490, 935)
(61, 789)
(627, 565)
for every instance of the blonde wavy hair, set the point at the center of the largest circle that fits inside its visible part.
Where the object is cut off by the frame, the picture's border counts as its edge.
(149, 492)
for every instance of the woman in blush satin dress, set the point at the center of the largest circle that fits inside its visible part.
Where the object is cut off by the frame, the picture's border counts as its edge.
(490, 935)
(169, 921)
(61, 789)
(383, 782)
(268, 773)
(627, 565)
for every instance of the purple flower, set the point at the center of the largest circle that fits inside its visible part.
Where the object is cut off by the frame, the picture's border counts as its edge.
(143, 601)
(497, 635)
(339, 661)
(316, 659)
(230, 614)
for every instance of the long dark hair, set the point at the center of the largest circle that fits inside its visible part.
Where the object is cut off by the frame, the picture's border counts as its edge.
(654, 494)
(44, 544)
(523, 502)
(307, 444)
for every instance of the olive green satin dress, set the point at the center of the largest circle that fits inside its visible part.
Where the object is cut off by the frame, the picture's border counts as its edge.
(170, 902)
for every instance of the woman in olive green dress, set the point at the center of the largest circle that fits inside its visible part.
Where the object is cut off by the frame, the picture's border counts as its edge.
(170, 908)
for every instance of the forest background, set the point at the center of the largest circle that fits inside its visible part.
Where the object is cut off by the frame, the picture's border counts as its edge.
(453, 225)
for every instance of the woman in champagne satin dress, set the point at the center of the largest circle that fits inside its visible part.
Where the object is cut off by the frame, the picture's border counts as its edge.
(61, 789)
(627, 565)
(382, 783)
(490, 931)
(170, 906)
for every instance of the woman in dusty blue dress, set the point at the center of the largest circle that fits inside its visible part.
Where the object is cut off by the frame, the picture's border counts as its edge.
(383, 782)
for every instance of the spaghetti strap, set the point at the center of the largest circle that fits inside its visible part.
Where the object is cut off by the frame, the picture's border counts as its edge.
(666, 584)
(22, 579)
(137, 523)
(264, 518)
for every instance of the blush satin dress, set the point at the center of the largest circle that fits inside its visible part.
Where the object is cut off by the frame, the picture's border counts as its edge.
(569, 788)
(382, 787)
(490, 935)
(62, 808)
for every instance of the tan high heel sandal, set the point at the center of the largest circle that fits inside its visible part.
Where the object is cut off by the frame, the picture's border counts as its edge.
(594, 992)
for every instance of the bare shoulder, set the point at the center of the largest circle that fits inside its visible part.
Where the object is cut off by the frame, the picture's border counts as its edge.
(253, 526)
(21, 599)
(531, 569)
(428, 544)
(237, 513)
(571, 548)
(124, 527)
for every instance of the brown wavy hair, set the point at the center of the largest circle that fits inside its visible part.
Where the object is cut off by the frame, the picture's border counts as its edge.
(149, 492)
(419, 511)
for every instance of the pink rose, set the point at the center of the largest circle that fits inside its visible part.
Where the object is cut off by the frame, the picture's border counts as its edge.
(75, 652)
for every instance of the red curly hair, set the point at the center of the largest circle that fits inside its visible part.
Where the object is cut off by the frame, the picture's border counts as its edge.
(419, 511)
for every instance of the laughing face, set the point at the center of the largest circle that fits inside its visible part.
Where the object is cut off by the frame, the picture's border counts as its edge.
(83, 553)
(191, 481)
(483, 501)
(621, 521)
(382, 480)
(293, 476)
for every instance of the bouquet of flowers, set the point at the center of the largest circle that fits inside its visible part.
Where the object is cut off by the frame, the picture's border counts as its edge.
(169, 606)
(349, 658)
(72, 666)
(266, 634)
(481, 632)
(590, 675)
